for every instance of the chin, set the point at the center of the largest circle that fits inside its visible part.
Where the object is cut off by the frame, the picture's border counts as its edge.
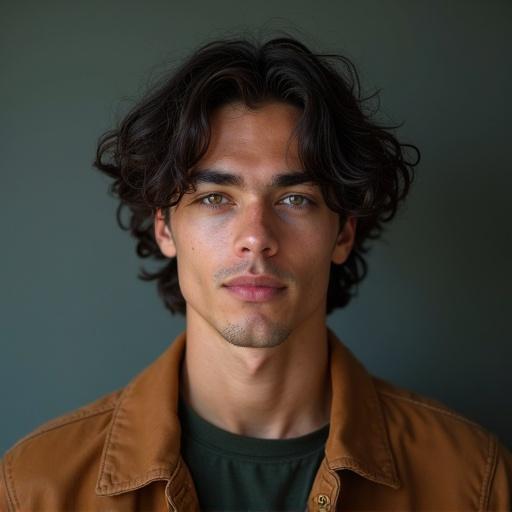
(257, 333)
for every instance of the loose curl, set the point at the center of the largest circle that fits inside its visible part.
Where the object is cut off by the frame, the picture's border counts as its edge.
(359, 165)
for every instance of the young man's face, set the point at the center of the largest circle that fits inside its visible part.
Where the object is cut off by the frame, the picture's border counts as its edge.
(280, 237)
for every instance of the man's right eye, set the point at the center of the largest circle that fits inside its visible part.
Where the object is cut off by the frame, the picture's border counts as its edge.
(213, 200)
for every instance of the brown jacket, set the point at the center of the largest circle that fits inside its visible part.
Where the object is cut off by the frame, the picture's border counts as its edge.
(388, 449)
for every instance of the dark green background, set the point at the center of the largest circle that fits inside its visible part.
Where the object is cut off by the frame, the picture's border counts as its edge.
(433, 312)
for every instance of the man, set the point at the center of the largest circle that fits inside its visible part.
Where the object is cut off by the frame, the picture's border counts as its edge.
(254, 174)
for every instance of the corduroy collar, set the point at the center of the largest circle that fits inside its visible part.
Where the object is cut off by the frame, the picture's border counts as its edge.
(143, 442)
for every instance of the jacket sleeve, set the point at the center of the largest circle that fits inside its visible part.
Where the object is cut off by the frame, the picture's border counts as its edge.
(500, 480)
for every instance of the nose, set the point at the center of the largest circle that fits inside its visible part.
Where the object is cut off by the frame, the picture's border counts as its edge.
(255, 232)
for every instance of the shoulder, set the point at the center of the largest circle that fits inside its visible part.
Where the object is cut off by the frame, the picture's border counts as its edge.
(421, 408)
(58, 450)
(70, 425)
(429, 437)
(425, 421)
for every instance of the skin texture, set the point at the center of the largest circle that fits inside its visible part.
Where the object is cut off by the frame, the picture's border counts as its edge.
(251, 367)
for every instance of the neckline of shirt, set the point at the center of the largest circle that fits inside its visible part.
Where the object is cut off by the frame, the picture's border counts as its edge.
(198, 429)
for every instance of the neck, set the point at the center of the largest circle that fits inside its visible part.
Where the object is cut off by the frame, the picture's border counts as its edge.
(274, 393)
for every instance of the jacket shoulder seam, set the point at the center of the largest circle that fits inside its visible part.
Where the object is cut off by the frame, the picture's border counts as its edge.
(12, 498)
(490, 467)
(64, 421)
(436, 408)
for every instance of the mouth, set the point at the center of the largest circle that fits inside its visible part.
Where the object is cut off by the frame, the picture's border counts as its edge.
(251, 293)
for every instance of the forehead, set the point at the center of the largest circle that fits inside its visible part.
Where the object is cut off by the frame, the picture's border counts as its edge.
(253, 138)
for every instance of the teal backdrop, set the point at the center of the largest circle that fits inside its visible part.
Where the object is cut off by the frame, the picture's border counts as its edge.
(433, 313)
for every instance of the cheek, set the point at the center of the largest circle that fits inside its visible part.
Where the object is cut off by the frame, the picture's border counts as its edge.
(199, 237)
(200, 249)
(313, 244)
(310, 258)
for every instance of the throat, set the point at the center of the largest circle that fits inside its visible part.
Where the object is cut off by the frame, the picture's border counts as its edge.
(256, 395)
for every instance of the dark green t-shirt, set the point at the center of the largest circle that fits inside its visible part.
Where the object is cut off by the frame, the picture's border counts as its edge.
(239, 473)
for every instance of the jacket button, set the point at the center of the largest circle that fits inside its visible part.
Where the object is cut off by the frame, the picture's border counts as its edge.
(323, 502)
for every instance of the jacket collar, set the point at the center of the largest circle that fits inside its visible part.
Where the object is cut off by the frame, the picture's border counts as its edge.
(143, 442)
(358, 438)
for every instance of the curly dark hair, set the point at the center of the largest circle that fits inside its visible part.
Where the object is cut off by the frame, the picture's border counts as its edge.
(358, 164)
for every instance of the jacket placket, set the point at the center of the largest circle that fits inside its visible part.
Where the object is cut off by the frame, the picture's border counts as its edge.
(324, 493)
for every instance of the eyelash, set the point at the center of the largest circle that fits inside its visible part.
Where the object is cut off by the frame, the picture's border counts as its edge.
(309, 202)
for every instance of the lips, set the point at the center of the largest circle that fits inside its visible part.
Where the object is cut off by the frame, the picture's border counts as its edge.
(265, 281)
(255, 288)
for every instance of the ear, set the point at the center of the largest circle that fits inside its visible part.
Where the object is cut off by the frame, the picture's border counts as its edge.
(344, 241)
(163, 235)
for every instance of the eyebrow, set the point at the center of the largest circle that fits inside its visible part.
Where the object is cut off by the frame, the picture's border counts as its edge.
(221, 177)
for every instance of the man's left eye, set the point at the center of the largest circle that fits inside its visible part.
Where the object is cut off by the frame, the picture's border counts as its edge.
(296, 200)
